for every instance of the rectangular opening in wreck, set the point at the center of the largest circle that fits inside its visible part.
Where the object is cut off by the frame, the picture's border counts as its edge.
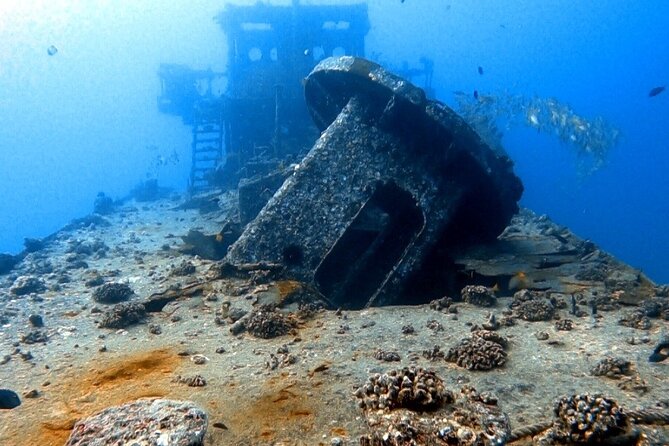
(370, 247)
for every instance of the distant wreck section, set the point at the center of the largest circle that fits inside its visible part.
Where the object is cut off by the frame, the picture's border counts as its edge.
(393, 185)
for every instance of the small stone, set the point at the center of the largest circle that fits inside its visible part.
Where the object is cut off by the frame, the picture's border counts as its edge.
(35, 336)
(382, 355)
(199, 359)
(155, 329)
(34, 393)
(220, 350)
(36, 320)
(541, 335)
(564, 325)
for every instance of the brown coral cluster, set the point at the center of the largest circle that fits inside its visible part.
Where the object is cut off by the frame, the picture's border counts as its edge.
(191, 381)
(478, 295)
(636, 319)
(483, 351)
(468, 419)
(587, 419)
(614, 368)
(185, 268)
(533, 306)
(123, 315)
(413, 388)
(112, 292)
(266, 323)
(564, 325)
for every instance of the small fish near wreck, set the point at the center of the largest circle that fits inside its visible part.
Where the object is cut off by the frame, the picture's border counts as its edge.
(655, 91)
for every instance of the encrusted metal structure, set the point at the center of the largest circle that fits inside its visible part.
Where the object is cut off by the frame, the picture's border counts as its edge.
(261, 115)
(394, 183)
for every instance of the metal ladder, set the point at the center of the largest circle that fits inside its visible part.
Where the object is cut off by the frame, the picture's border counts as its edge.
(207, 144)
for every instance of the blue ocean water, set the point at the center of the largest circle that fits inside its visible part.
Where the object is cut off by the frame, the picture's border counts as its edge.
(85, 120)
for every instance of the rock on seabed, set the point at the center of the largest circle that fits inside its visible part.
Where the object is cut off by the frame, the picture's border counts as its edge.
(155, 422)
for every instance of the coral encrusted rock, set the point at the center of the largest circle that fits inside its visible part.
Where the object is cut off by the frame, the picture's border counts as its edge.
(268, 323)
(27, 285)
(533, 306)
(478, 353)
(478, 295)
(123, 315)
(413, 388)
(587, 419)
(111, 293)
(143, 422)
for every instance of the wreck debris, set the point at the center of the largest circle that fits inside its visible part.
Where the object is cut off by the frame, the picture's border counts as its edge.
(392, 178)
(210, 247)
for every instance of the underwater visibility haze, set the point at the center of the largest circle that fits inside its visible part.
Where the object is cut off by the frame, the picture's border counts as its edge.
(78, 91)
(329, 222)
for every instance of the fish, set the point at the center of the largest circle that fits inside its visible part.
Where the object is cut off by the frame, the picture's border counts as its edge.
(655, 91)
(52, 50)
(661, 352)
(476, 94)
(520, 281)
(9, 399)
(480, 70)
